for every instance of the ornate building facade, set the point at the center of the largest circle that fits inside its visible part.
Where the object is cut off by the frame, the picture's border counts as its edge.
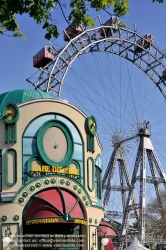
(50, 174)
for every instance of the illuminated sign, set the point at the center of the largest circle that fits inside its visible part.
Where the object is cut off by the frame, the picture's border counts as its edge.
(52, 220)
(42, 221)
(53, 169)
(78, 221)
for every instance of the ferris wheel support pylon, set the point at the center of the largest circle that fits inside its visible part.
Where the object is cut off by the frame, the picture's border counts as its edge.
(145, 149)
(117, 156)
(117, 159)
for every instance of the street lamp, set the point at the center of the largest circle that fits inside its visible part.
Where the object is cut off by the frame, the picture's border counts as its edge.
(6, 240)
(104, 240)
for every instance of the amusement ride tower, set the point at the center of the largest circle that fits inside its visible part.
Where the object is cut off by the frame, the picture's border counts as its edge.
(147, 170)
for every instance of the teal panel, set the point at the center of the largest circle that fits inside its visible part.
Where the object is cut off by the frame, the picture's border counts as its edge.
(14, 96)
(98, 161)
(75, 134)
(11, 167)
(81, 172)
(22, 95)
(2, 96)
(29, 146)
(25, 168)
(78, 152)
(6, 133)
(32, 95)
(33, 128)
(90, 178)
(98, 183)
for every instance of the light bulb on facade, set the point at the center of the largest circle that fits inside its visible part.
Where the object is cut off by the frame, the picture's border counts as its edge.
(6, 241)
(104, 241)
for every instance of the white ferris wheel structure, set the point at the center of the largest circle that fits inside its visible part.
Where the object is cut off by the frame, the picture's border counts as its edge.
(128, 185)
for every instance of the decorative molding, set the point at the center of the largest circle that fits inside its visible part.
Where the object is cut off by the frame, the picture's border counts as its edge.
(69, 138)
(7, 196)
(46, 182)
(33, 187)
(24, 195)
(90, 177)
(96, 221)
(7, 166)
(91, 130)
(94, 200)
(4, 218)
(16, 218)
(10, 114)
(91, 125)
(90, 220)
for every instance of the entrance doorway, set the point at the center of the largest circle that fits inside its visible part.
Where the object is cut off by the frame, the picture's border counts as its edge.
(61, 236)
(53, 220)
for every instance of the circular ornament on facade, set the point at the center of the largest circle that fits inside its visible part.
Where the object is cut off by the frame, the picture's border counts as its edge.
(32, 188)
(55, 143)
(10, 113)
(90, 220)
(96, 221)
(16, 218)
(67, 183)
(62, 181)
(4, 218)
(75, 187)
(53, 181)
(86, 203)
(25, 194)
(38, 185)
(79, 191)
(84, 198)
(20, 200)
(46, 182)
(91, 125)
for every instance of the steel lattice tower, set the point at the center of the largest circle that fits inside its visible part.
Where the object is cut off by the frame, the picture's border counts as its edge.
(145, 154)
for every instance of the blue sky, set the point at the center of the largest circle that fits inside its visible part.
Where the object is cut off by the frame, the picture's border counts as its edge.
(16, 66)
(16, 54)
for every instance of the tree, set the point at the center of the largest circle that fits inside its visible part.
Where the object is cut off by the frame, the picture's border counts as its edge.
(41, 11)
(156, 222)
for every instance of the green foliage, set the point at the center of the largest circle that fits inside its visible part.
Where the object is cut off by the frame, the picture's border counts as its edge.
(122, 25)
(135, 224)
(121, 7)
(41, 11)
(157, 221)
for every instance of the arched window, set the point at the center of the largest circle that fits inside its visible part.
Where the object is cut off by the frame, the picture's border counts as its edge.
(98, 182)
(98, 170)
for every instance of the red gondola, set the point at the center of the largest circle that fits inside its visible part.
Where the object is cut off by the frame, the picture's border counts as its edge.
(114, 23)
(73, 31)
(144, 43)
(43, 57)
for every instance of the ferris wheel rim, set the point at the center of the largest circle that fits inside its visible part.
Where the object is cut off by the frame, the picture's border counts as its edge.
(80, 52)
(49, 75)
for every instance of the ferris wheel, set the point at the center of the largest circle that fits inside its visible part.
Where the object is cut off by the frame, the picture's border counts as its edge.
(125, 89)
